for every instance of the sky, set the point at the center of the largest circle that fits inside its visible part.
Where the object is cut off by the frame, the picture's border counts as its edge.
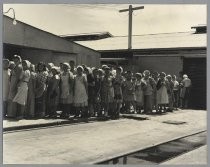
(64, 19)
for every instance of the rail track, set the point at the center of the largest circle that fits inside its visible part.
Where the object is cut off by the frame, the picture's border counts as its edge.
(161, 153)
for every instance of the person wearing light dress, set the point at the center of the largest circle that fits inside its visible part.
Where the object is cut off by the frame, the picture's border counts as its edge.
(81, 93)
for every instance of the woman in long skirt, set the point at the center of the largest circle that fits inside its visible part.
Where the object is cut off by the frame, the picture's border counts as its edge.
(66, 88)
(53, 92)
(107, 96)
(170, 93)
(14, 81)
(22, 93)
(40, 91)
(81, 93)
(30, 109)
(139, 93)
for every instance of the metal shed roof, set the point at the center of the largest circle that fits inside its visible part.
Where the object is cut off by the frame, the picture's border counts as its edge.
(150, 41)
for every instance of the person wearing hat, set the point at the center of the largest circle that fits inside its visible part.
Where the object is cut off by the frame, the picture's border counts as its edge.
(66, 88)
(103, 67)
(22, 93)
(80, 93)
(14, 81)
(49, 67)
(53, 92)
(11, 65)
(6, 83)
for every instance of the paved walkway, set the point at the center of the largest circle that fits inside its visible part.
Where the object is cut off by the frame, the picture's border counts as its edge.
(195, 157)
(11, 125)
(36, 123)
(95, 142)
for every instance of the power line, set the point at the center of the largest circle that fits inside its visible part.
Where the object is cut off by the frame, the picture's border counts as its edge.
(88, 6)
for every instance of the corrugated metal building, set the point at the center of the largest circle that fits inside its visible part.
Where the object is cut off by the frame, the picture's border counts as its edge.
(169, 52)
(37, 45)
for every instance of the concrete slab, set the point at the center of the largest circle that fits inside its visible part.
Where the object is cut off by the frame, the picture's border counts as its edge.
(95, 142)
(195, 157)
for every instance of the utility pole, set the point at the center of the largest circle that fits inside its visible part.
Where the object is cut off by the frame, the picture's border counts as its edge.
(130, 11)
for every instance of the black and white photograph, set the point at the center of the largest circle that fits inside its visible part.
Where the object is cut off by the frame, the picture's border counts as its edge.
(104, 84)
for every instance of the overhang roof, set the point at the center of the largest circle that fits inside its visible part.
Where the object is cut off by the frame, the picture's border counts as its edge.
(87, 36)
(150, 41)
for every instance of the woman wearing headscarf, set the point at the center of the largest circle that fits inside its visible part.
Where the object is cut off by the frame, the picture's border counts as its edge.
(40, 91)
(49, 67)
(22, 93)
(11, 65)
(14, 81)
(53, 92)
(30, 109)
(66, 88)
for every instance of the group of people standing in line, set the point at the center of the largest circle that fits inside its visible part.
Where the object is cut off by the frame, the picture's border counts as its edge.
(39, 91)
